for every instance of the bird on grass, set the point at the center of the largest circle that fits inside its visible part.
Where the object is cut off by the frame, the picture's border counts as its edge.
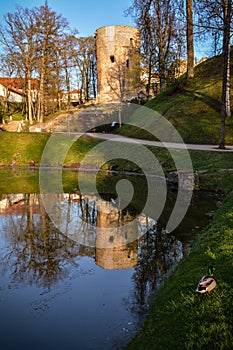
(207, 283)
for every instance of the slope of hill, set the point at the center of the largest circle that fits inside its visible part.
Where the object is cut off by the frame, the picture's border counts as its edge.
(193, 107)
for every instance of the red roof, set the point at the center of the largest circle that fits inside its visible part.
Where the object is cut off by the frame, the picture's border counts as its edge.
(16, 84)
(75, 91)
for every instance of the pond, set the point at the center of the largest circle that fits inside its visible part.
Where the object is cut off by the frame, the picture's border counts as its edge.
(64, 287)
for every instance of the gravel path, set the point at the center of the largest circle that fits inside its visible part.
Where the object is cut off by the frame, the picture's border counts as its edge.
(13, 126)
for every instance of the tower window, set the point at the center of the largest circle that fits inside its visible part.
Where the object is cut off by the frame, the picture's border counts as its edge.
(112, 58)
(127, 63)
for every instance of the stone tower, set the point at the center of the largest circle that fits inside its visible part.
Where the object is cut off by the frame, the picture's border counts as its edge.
(118, 63)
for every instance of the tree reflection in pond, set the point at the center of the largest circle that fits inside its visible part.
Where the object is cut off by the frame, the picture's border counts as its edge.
(109, 285)
(158, 253)
(39, 251)
(39, 254)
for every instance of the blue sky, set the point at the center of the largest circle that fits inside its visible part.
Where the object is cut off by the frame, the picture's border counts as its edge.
(88, 15)
(84, 15)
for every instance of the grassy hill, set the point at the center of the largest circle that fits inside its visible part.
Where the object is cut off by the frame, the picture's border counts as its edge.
(193, 107)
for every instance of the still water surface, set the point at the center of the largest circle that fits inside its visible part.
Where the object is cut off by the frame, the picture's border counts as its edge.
(58, 293)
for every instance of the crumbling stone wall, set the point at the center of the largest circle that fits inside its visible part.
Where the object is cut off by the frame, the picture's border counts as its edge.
(117, 51)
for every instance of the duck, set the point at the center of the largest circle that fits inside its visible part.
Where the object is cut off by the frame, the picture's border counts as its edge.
(207, 283)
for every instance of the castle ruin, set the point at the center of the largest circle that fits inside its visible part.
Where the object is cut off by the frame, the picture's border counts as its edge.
(118, 63)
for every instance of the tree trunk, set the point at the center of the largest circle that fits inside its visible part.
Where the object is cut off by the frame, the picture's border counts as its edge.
(148, 86)
(5, 100)
(189, 35)
(29, 98)
(225, 106)
(68, 87)
(42, 100)
(87, 84)
(93, 79)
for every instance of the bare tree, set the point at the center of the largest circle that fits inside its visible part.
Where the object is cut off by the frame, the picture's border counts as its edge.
(216, 18)
(85, 61)
(161, 36)
(20, 37)
(52, 28)
(7, 67)
(34, 43)
(66, 55)
(226, 103)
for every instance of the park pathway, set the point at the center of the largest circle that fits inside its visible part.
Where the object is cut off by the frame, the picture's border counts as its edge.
(51, 126)
(168, 145)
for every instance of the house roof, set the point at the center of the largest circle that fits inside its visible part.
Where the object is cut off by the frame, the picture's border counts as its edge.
(75, 91)
(18, 84)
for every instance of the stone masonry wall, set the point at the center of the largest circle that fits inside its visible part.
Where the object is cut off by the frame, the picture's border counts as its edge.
(117, 51)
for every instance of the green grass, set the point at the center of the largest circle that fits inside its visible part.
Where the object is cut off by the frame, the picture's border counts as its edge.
(181, 318)
(193, 107)
(14, 110)
(19, 180)
(216, 181)
(23, 149)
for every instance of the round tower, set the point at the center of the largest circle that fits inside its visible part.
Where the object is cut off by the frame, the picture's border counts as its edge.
(118, 63)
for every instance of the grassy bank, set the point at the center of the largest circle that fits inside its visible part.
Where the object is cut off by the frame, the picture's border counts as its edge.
(181, 318)
(23, 149)
(192, 107)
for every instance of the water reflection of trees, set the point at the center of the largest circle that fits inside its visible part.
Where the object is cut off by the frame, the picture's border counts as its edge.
(158, 253)
(74, 215)
(39, 254)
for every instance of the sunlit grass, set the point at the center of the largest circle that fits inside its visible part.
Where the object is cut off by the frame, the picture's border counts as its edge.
(181, 318)
(23, 149)
(192, 107)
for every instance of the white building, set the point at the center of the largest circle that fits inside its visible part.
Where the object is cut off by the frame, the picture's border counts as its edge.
(13, 89)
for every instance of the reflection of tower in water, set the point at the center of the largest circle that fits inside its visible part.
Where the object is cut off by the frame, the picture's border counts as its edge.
(116, 238)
